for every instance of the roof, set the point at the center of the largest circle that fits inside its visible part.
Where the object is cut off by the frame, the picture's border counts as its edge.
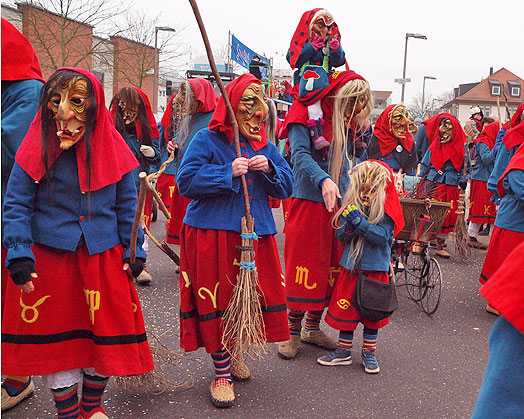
(381, 94)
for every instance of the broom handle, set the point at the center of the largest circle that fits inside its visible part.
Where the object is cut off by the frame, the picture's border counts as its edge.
(229, 108)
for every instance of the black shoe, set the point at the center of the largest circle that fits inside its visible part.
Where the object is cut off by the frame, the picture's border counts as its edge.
(485, 231)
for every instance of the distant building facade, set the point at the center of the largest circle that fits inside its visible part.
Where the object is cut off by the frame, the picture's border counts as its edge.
(382, 99)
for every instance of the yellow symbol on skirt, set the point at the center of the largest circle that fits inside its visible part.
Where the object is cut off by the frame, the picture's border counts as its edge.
(32, 308)
(451, 205)
(186, 279)
(171, 191)
(332, 272)
(213, 295)
(93, 301)
(236, 262)
(343, 304)
(135, 307)
(302, 277)
(146, 219)
(283, 280)
(487, 210)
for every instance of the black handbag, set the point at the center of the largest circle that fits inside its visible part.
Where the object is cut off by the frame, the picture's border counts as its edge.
(374, 300)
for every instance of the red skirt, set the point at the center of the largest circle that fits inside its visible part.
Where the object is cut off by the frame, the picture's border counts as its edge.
(501, 245)
(165, 186)
(178, 207)
(312, 255)
(286, 203)
(148, 208)
(481, 209)
(341, 314)
(448, 193)
(84, 312)
(5, 278)
(209, 266)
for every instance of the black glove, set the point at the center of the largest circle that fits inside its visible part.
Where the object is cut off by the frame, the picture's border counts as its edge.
(462, 185)
(137, 267)
(20, 270)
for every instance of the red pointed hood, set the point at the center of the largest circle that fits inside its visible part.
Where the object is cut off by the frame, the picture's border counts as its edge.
(386, 140)
(488, 135)
(454, 150)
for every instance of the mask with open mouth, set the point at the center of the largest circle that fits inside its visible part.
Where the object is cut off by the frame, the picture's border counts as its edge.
(251, 112)
(69, 101)
(445, 131)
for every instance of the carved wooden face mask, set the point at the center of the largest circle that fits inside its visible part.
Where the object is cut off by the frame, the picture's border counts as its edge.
(322, 26)
(251, 112)
(129, 110)
(445, 131)
(399, 122)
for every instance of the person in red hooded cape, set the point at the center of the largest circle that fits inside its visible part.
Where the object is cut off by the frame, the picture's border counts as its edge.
(482, 210)
(134, 120)
(210, 236)
(320, 178)
(72, 313)
(21, 86)
(392, 141)
(502, 390)
(367, 221)
(196, 101)
(508, 231)
(442, 169)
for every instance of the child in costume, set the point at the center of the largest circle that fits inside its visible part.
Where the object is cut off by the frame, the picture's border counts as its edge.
(135, 121)
(197, 100)
(210, 236)
(314, 52)
(72, 313)
(320, 178)
(366, 223)
(442, 169)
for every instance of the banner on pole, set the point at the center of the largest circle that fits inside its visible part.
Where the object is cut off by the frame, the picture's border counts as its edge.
(243, 55)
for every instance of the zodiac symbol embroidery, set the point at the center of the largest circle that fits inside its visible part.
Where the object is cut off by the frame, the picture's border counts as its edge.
(343, 304)
(93, 301)
(171, 191)
(135, 307)
(332, 272)
(186, 279)
(302, 277)
(32, 308)
(487, 210)
(213, 295)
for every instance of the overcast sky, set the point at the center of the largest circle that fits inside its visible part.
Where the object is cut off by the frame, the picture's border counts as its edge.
(465, 38)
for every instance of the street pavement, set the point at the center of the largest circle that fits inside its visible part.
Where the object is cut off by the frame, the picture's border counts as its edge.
(431, 367)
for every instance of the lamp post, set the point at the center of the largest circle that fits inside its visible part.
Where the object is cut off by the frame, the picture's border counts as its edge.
(408, 35)
(155, 72)
(424, 91)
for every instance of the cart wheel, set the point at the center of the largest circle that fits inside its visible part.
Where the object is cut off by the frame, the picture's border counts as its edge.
(413, 264)
(432, 284)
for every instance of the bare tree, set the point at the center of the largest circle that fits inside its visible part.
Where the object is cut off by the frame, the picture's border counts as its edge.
(417, 108)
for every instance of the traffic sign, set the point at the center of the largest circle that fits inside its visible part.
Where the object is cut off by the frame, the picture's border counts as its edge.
(403, 81)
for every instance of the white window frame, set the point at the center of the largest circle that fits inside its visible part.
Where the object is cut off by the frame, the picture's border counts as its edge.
(495, 90)
(515, 91)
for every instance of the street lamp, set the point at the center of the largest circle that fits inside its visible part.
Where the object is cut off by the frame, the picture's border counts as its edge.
(424, 90)
(408, 35)
(155, 72)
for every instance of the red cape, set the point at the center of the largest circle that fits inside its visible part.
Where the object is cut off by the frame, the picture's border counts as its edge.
(515, 118)
(488, 135)
(297, 113)
(220, 121)
(505, 289)
(514, 136)
(516, 163)
(386, 140)
(301, 35)
(167, 116)
(441, 153)
(19, 61)
(111, 158)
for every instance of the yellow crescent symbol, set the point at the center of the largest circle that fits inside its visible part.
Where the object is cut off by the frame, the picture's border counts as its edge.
(135, 307)
(186, 278)
(343, 304)
(213, 296)
(32, 308)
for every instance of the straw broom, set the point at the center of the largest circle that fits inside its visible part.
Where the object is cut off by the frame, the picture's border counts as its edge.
(242, 322)
(462, 249)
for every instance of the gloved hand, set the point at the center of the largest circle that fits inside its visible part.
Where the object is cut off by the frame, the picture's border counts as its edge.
(353, 217)
(137, 267)
(462, 185)
(147, 151)
(317, 42)
(20, 270)
(334, 44)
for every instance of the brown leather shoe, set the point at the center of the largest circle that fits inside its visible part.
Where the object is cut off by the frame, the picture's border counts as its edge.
(222, 393)
(318, 338)
(144, 278)
(289, 348)
(239, 370)
(473, 242)
(442, 253)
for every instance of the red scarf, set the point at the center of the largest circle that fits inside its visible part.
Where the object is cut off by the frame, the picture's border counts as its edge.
(514, 136)
(19, 61)
(301, 35)
(454, 150)
(111, 158)
(515, 118)
(516, 163)
(386, 140)
(220, 121)
(488, 135)
(297, 113)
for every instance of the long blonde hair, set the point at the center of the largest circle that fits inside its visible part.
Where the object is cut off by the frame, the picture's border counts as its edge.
(186, 109)
(367, 190)
(358, 91)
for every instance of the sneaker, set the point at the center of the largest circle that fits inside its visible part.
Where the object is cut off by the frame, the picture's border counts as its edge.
(370, 362)
(289, 348)
(222, 393)
(339, 357)
(318, 338)
(9, 401)
(144, 278)
(473, 242)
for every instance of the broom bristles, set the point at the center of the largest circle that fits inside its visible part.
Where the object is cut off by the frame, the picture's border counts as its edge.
(462, 249)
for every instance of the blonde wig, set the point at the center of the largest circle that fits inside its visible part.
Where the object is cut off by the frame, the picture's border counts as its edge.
(367, 191)
(187, 108)
(271, 122)
(355, 93)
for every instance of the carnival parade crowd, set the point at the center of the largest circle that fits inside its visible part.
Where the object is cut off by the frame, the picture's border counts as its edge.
(70, 181)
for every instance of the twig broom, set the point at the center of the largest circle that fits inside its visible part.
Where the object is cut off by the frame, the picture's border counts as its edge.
(462, 249)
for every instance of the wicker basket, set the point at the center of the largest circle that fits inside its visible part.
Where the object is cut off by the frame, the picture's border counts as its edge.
(413, 208)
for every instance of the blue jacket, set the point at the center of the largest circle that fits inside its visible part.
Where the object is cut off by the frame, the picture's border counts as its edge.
(145, 162)
(484, 159)
(501, 162)
(376, 250)
(20, 103)
(510, 215)
(448, 175)
(498, 140)
(421, 140)
(58, 218)
(198, 122)
(206, 176)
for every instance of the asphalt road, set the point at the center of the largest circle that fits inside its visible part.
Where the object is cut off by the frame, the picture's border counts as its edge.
(431, 367)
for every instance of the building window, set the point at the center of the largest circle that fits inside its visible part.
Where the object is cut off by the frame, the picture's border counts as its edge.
(514, 88)
(515, 91)
(495, 90)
